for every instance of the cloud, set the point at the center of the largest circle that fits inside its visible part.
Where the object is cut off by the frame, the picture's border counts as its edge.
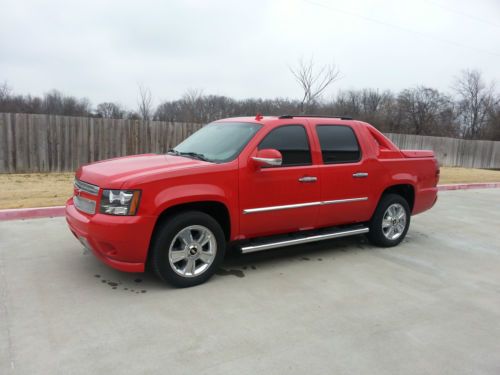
(103, 49)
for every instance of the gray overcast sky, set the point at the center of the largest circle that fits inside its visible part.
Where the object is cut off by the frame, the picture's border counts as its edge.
(102, 49)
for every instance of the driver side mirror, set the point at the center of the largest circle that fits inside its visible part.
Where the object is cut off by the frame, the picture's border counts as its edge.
(268, 157)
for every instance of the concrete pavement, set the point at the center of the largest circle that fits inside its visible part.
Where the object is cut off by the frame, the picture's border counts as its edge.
(428, 306)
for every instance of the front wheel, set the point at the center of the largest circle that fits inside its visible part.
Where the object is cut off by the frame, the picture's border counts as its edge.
(390, 222)
(188, 249)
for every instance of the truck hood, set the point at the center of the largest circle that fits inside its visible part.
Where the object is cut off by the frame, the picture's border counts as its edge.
(113, 173)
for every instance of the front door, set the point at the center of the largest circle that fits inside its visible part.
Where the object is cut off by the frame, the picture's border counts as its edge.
(280, 199)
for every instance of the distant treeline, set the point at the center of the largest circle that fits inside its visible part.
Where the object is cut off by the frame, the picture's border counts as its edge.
(470, 111)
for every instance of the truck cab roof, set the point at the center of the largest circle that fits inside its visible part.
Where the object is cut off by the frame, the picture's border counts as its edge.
(275, 120)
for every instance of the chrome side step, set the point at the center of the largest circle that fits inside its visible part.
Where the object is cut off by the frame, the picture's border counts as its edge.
(297, 241)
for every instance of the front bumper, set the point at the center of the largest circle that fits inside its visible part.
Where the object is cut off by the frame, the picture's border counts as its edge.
(121, 242)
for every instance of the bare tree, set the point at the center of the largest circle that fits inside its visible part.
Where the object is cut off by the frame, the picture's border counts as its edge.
(493, 126)
(145, 103)
(132, 115)
(192, 95)
(474, 112)
(5, 91)
(193, 100)
(110, 110)
(475, 100)
(313, 82)
(426, 111)
(55, 102)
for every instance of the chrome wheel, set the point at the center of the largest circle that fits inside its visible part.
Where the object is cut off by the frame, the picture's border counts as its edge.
(192, 251)
(394, 221)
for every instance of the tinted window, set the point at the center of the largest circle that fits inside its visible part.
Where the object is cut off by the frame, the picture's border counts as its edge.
(338, 144)
(292, 142)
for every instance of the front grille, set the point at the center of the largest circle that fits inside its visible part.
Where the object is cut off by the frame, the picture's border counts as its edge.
(84, 204)
(86, 187)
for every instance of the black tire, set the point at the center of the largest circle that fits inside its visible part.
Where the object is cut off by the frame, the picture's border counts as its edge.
(160, 260)
(376, 235)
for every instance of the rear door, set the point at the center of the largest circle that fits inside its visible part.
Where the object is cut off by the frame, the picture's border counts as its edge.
(285, 198)
(345, 177)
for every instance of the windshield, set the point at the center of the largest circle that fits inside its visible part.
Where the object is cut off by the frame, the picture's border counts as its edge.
(217, 142)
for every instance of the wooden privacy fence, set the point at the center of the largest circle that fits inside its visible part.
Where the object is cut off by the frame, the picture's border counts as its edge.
(452, 152)
(49, 143)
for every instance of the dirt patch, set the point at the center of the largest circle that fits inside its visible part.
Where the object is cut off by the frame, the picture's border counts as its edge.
(53, 189)
(35, 189)
(468, 175)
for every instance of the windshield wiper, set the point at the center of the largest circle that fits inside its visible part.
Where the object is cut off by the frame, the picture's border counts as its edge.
(173, 151)
(190, 154)
(194, 155)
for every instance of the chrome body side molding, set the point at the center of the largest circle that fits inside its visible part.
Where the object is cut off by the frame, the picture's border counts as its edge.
(276, 208)
(300, 205)
(347, 200)
(305, 239)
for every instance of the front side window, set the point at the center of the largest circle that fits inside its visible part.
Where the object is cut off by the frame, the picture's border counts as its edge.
(292, 142)
(217, 142)
(338, 144)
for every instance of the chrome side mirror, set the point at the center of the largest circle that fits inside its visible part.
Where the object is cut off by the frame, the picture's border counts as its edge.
(268, 158)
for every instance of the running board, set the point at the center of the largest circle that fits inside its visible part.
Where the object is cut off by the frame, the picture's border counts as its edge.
(297, 241)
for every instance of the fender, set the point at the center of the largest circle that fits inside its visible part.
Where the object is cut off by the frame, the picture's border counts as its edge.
(180, 194)
(192, 193)
(398, 179)
(402, 178)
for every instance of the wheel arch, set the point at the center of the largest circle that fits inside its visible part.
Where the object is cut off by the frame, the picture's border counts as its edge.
(405, 190)
(217, 209)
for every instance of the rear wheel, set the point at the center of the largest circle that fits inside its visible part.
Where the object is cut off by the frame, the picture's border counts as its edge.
(390, 222)
(188, 249)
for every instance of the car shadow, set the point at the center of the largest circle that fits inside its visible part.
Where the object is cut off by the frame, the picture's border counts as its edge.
(235, 264)
(317, 251)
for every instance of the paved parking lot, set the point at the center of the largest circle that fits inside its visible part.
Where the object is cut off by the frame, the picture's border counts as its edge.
(429, 306)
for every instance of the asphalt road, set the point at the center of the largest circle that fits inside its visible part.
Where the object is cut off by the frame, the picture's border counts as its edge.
(429, 306)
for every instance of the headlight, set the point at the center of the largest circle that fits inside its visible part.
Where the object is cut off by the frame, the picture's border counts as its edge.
(120, 202)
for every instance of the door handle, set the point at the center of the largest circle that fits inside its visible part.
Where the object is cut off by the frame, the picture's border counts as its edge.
(308, 179)
(360, 175)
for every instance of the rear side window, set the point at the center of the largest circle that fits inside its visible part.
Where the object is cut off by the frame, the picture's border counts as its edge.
(338, 144)
(292, 142)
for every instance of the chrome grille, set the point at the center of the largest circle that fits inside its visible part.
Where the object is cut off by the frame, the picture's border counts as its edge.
(86, 187)
(84, 204)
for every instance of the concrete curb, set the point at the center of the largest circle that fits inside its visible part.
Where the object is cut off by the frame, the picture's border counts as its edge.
(31, 213)
(478, 185)
(40, 212)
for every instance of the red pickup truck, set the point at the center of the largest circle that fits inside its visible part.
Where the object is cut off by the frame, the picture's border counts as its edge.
(255, 183)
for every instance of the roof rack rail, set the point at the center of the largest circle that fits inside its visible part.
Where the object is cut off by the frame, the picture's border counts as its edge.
(317, 116)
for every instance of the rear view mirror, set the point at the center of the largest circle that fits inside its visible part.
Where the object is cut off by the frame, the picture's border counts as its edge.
(268, 158)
